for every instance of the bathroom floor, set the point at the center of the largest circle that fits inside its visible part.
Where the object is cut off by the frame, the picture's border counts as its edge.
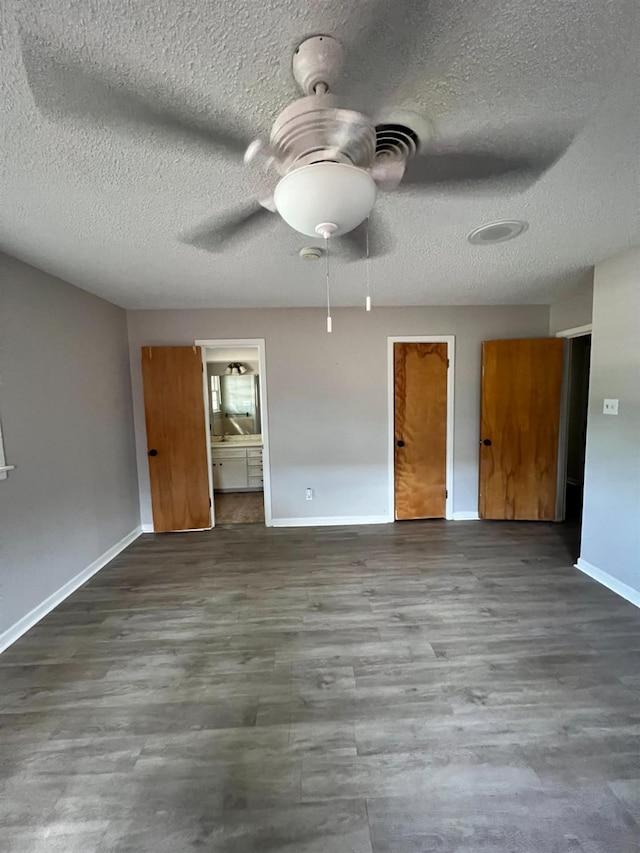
(239, 507)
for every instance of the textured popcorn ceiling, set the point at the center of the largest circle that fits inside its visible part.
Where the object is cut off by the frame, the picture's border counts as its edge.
(102, 206)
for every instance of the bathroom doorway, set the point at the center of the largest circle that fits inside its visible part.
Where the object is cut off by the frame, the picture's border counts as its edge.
(237, 430)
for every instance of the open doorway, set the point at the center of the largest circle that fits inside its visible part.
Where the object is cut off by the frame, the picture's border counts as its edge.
(236, 421)
(578, 400)
(574, 434)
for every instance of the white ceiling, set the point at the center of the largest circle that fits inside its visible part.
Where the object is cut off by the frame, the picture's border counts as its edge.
(103, 206)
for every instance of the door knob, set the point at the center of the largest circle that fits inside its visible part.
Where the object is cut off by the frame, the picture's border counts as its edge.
(153, 452)
(400, 443)
(486, 442)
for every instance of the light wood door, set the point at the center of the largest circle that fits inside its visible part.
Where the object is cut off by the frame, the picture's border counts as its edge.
(420, 471)
(176, 438)
(519, 427)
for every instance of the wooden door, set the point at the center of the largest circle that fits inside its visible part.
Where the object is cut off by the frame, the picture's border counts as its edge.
(420, 471)
(176, 438)
(519, 428)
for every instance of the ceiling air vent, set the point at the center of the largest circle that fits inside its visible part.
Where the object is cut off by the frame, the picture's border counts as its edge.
(396, 139)
(497, 232)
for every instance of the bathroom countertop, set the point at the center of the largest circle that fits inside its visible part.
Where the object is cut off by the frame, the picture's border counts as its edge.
(252, 441)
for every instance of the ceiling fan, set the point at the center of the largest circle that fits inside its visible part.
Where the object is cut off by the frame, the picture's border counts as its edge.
(327, 162)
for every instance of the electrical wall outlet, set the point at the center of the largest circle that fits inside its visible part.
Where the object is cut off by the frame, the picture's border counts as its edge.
(610, 407)
(309, 494)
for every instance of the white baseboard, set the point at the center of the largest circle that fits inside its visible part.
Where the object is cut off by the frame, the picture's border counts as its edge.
(149, 528)
(13, 633)
(622, 589)
(329, 521)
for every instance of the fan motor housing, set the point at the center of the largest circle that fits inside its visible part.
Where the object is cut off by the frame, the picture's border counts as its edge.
(315, 129)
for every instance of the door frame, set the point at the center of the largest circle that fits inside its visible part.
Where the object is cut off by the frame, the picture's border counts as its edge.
(450, 341)
(563, 437)
(225, 343)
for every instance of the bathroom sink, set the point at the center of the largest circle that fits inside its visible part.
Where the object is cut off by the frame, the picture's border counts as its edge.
(238, 439)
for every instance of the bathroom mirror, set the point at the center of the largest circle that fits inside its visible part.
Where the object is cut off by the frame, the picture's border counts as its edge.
(235, 404)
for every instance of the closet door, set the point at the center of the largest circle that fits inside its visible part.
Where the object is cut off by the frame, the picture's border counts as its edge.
(420, 453)
(519, 428)
(176, 438)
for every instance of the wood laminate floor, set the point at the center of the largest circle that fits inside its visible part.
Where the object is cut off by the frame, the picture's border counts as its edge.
(431, 686)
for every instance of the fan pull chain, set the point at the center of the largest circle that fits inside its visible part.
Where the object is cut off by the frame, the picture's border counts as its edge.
(367, 301)
(326, 254)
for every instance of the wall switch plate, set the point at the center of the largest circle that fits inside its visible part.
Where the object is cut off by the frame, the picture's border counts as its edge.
(309, 494)
(610, 407)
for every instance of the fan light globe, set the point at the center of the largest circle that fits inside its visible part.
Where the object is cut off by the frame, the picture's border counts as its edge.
(325, 193)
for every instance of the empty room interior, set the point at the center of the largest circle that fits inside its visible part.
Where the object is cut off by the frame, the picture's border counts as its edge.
(320, 426)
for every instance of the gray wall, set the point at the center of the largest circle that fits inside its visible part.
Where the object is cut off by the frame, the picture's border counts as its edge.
(327, 394)
(574, 309)
(611, 518)
(65, 403)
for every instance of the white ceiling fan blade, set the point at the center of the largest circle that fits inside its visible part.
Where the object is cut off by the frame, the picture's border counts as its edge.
(515, 166)
(216, 232)
(63, 87)
(389, 32)
(388, 172)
